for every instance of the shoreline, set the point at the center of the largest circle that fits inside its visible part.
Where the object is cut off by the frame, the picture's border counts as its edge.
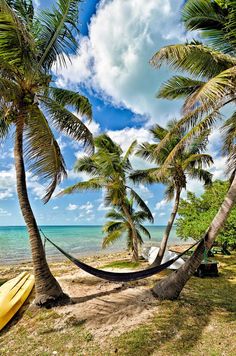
(91, 257)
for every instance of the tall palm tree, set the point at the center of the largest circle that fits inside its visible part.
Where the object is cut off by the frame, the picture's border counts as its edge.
(120, 225)
(109, 168)
(29, 45)
(188, 164)
(210, 86)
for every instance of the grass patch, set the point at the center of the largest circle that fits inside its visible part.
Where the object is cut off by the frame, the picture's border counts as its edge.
(201, 322)
(122, 264)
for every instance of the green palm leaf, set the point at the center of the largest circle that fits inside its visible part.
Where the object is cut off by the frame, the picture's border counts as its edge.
(112, 237)
(70, 98)
(179, 87)
(140, 202)
(65, 121)
(91, 184)
(196, 59)
(57, 36)
(43, 152)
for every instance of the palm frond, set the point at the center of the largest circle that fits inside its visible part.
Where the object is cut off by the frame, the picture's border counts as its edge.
(211, 19)
(200, 127)
(196, 59)
(58, 30)
(114, 214)
(111, 226)
(211, 92)
(229, 147)
(170, 192)
(42, 151)
(86, 164)
(111, 238)
(105, 143)
(144, 230)
(70, 98)
(197, 160)
(145, 150)
(67, 122)
(140, 202)
(24, 9)
(146, 176)
(158, 132)
(16, 43)
(201, 174)
(91, 184)
(4, 126)
(179, 87)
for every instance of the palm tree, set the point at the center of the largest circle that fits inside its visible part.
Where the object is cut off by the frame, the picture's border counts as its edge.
(120, 225)
(29, 45)
(109, 168)
(211, 86)
(187, 164)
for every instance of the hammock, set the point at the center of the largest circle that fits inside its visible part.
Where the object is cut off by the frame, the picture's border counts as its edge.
(119, 276)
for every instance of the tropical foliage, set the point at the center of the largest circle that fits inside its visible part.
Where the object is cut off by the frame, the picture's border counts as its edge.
(119, 226)
(211, 67)
(209, 87)
(30, 43)
(188, 164)
(196, 213)
(109, 168)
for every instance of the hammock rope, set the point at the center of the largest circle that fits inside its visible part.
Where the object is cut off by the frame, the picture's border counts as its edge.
(119, 276)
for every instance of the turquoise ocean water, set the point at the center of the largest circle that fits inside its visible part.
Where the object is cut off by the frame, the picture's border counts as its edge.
(78, 240)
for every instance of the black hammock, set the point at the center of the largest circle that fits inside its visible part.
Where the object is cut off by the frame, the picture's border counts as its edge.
(120, 276)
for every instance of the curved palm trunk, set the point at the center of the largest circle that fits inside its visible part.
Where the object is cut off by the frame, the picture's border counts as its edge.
(170, 287)
(134, 234)
(48, 291)
(166, 235)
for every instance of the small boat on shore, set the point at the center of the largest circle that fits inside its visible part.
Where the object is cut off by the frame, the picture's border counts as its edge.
(150, 254)
(13, 294)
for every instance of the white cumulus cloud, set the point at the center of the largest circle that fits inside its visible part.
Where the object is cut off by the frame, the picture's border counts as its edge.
(113, 61)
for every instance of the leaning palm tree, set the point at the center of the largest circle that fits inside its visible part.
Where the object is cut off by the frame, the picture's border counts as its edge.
(120, 226)
(188, 164)
(109, 168)
(210, 86)
(29, 104)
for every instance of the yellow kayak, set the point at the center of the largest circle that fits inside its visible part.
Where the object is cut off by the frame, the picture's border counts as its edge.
(13, 294)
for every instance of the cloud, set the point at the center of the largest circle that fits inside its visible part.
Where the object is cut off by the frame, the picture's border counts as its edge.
(55, 208)
(161, 204)
(127, 135)
(87, 207)
(144, 191)
(4, 212)
(7, 183)
(113, 61)
(72, 207)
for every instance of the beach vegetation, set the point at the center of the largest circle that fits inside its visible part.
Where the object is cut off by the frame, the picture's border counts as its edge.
(201, 322)
(109, 168)
(190, 163)
(120, 226)
(33, 108)
(209, 87)
(195, 214)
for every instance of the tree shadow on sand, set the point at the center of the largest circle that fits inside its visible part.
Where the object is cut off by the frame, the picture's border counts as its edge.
(179, 325)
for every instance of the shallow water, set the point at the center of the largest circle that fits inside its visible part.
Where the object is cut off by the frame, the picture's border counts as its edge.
(78, 240)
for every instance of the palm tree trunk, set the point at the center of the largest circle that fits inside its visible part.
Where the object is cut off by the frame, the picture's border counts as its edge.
(170, 287)
(134, 233)
(48, 291)
(165, 237)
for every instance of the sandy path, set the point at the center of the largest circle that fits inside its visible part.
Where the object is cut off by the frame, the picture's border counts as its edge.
(107, 307)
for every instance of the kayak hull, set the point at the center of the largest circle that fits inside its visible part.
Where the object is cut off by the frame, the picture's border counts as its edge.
(13, 294)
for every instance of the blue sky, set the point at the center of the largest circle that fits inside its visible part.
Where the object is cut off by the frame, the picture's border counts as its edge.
(117, 40)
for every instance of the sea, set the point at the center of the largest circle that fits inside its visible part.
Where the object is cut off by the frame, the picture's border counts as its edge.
(79, 241)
